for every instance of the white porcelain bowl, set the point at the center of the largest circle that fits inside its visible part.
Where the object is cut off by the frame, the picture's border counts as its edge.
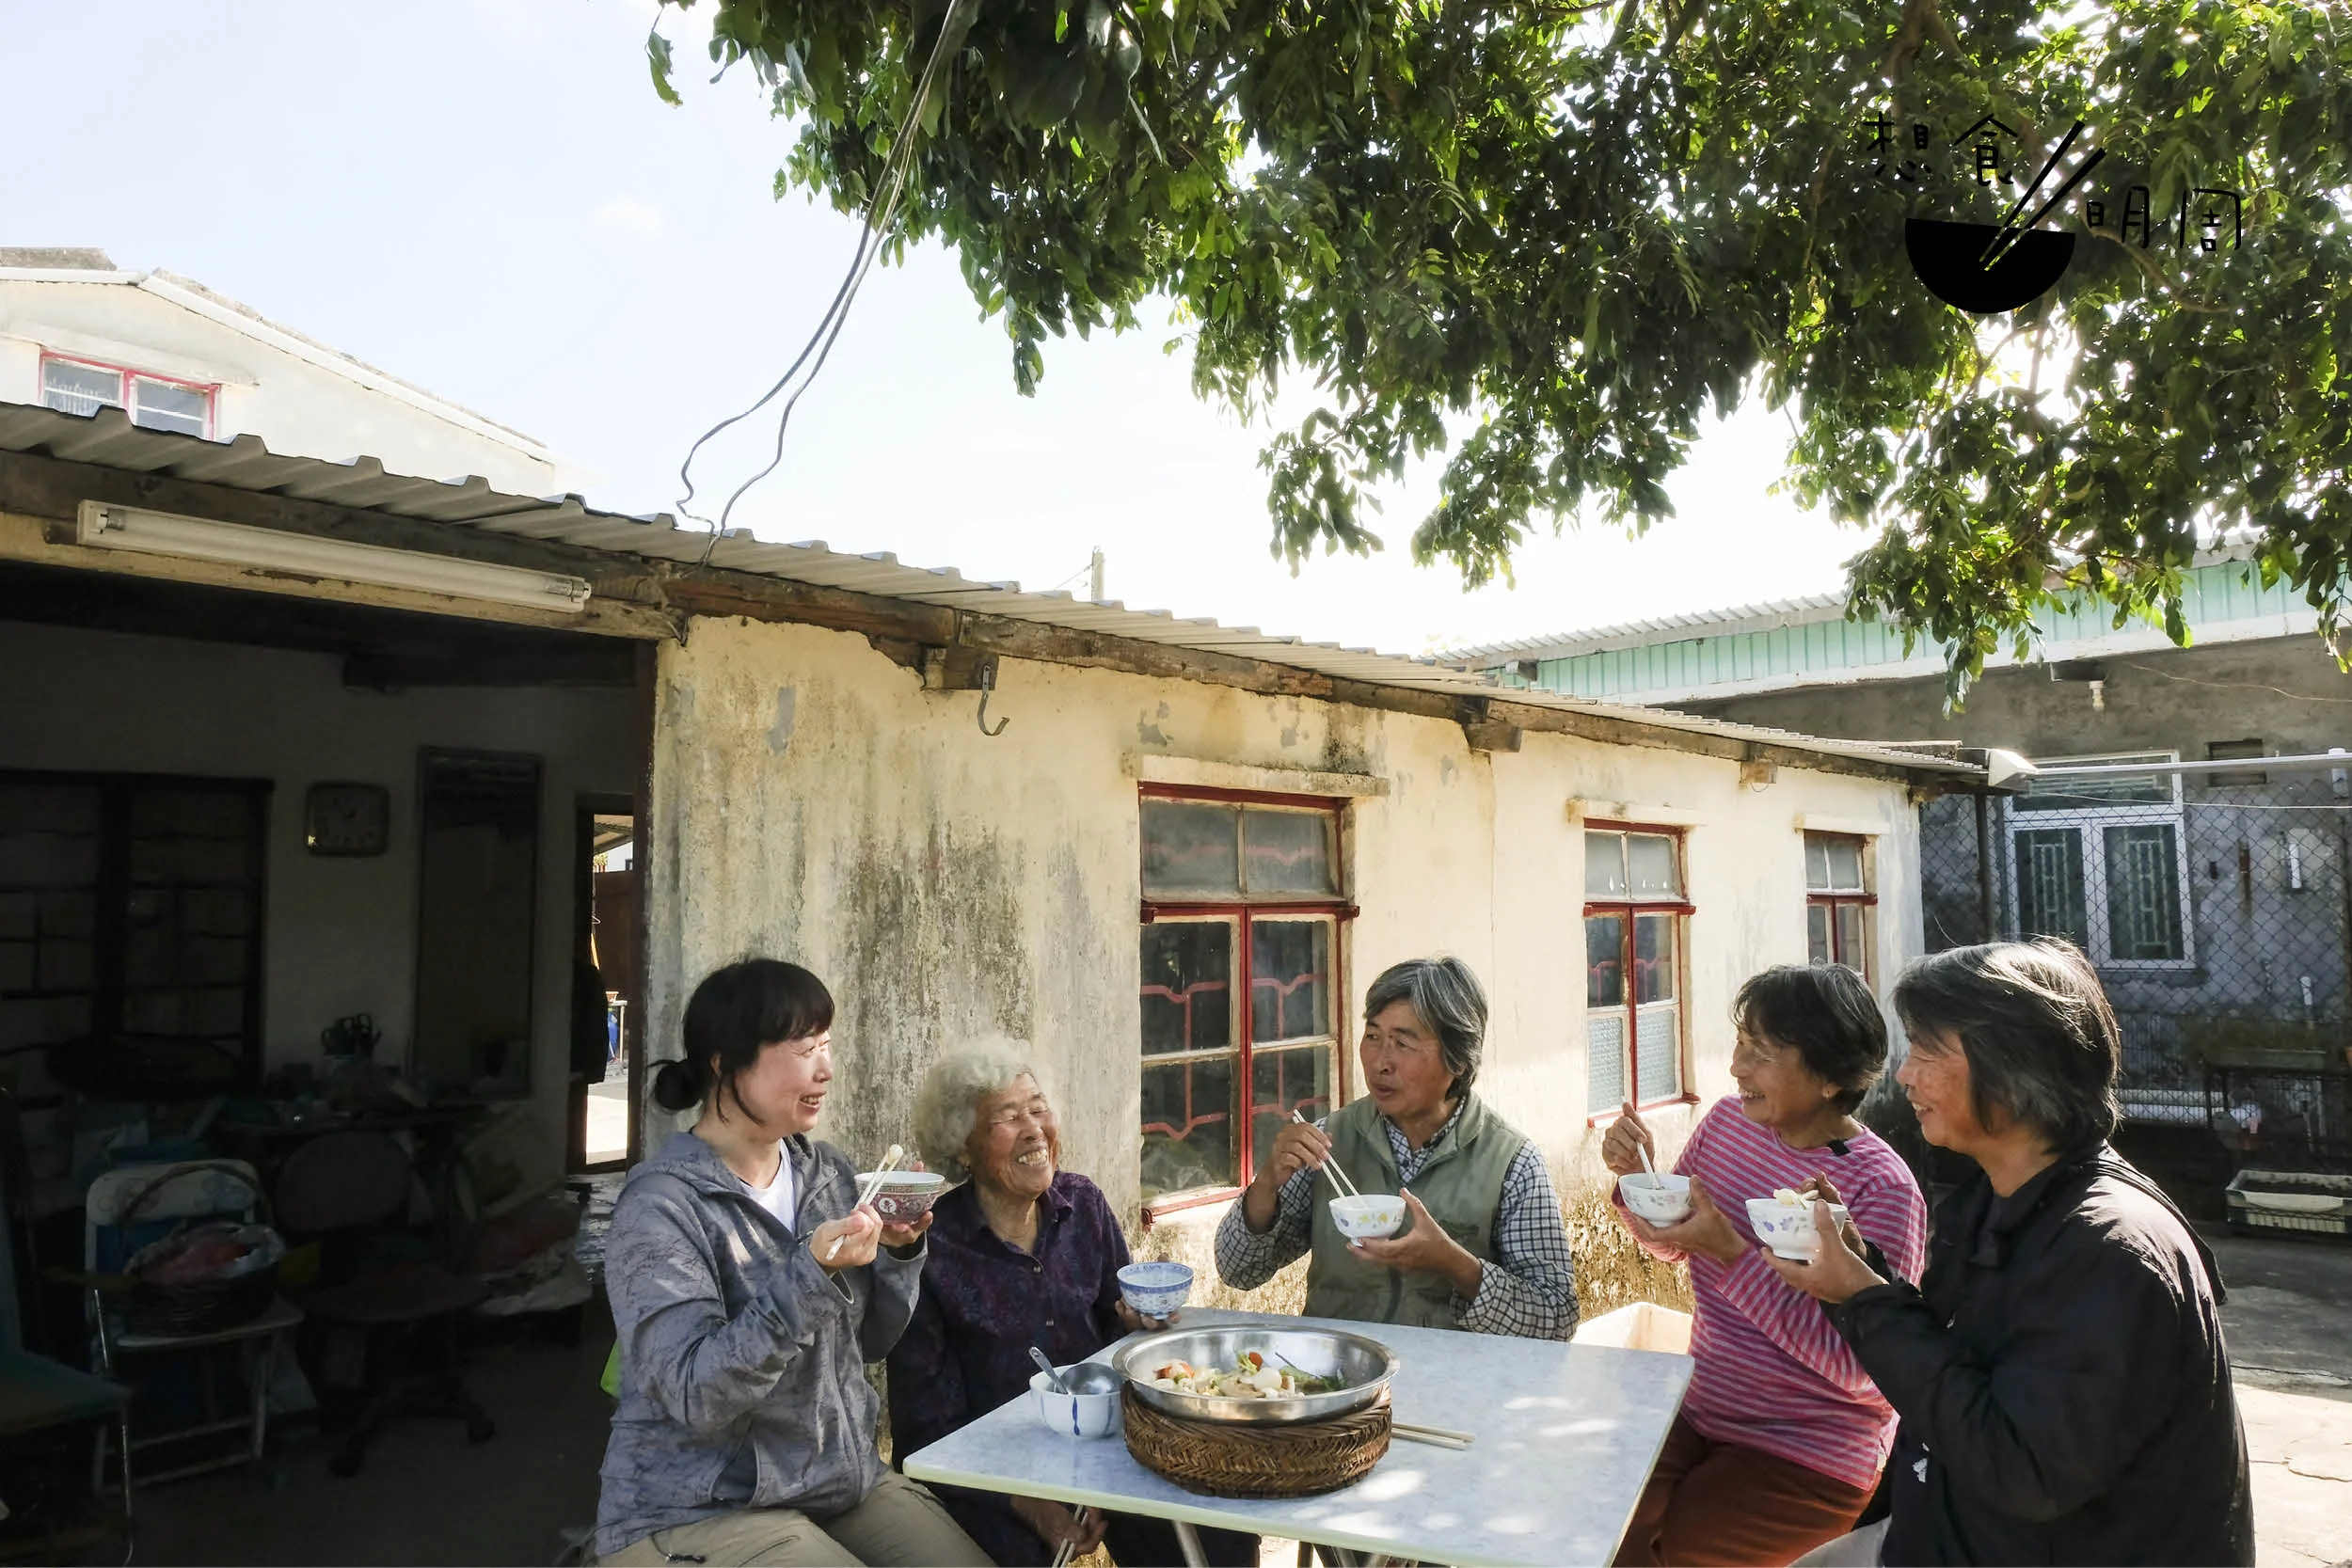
(903, 1196)
(1661, 1199)
(1368, 1215)
(1073, 1415)
(1789, 1231)
(1156, 1290)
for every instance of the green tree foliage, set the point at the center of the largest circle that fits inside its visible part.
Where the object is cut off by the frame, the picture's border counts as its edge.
(1547, 239)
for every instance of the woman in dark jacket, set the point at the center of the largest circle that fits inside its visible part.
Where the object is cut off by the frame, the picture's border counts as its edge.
(2058, 1371)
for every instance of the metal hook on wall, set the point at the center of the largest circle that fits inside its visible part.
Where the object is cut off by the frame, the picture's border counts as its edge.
(988, 685)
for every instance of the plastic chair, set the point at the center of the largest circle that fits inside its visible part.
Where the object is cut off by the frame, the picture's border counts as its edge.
(126, 1210)
(347, 1189)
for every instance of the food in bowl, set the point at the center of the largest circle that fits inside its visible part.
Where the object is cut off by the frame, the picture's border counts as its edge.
(1156, 1290)
(1252, 1376)
(1072, 1415)
(905, 1196)
(1368, 1216)
(1660, 1199)
(1783, 1222)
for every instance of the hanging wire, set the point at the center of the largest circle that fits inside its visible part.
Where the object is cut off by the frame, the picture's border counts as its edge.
(880, 212)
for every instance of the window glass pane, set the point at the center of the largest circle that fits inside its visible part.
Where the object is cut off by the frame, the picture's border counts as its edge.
(1650, 858)
(2050, 885)
(1604, 866)
(2051, 792)
(1854, 940)
(2143, 892)
(1604, 960)
(1188, 986)
(1817, 936)
(1657, 1052)
(1845, 866)
(162, 405)
(1191, 847)
(1188, 1126)
(1289, 851)
(1290, 979)
(79, 388)
(1604, 1063)
(1654, 956)
(1817, 862)
(1280, 1081)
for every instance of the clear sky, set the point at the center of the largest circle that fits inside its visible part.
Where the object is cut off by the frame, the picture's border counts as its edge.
(485, 197)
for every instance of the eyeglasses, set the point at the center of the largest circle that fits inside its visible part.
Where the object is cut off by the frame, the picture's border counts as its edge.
(1037, 1111)
(1389, 1045)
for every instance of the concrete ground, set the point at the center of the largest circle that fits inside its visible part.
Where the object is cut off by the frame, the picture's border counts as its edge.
(2289, 1321)
(428, 1498)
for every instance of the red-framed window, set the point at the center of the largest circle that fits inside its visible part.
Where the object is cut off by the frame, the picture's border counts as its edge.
(1838, 902)
(76, 386)
(1241, 998)
(1636, 916)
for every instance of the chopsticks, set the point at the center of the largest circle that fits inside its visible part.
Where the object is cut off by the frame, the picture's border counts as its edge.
(1340, 1183)
(866, 1192)
(1436, 1437)
(1063, 1553)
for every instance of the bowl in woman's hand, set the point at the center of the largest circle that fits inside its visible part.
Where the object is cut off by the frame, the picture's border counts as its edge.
(1156, 1290)
(905, 1196)
(1074, 1415)
(1787, 1229)
(1368, 1216)
(1661, 1199)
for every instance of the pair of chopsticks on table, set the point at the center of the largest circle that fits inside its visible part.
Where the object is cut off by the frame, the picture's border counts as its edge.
(1436, 1437)
(866, 1192)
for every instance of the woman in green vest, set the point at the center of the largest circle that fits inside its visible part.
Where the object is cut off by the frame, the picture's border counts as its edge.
(1484, 1248)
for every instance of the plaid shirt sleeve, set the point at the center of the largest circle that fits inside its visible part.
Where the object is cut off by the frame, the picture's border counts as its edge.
(1245, 1259)
(1530, 1289)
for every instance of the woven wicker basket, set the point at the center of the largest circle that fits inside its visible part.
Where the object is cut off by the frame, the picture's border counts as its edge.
(1232, 1460)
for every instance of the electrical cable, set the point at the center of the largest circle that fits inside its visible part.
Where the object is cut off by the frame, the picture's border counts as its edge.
(880, 212)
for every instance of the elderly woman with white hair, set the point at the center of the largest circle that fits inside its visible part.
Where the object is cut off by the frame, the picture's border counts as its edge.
(1485, 1248)
(1021, 1253)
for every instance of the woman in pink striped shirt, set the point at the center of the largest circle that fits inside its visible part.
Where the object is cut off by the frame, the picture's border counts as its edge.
(1781, 1435)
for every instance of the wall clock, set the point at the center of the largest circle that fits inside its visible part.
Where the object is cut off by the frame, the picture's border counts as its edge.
(347, 819)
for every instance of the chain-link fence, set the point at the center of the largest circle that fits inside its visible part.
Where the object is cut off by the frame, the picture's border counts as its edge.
(2218, 913)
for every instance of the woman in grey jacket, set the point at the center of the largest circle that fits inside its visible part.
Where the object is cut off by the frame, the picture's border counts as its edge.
(749, 1289)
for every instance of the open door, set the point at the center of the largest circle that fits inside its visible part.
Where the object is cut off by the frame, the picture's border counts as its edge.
(609, 980)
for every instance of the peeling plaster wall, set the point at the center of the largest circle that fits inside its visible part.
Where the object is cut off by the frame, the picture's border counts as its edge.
(811, 801)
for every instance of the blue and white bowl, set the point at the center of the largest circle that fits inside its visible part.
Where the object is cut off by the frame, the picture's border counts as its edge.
(1156, 1290)
(1787, 1229)
(1073, 1415)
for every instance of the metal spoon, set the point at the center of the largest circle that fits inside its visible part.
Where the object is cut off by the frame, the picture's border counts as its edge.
(1053, 1375)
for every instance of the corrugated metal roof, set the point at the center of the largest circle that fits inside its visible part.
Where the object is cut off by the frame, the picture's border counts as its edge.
(1698, 623)
(109, 440)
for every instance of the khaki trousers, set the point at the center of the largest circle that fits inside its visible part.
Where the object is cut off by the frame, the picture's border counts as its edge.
(899, 1524)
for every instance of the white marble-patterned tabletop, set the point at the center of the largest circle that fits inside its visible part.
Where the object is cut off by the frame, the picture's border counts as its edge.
(1564, 1434)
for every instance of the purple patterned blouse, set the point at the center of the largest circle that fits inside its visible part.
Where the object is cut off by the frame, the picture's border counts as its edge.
(982, 1306)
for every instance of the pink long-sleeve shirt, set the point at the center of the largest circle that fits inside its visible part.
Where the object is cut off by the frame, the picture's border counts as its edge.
(1771, 1372)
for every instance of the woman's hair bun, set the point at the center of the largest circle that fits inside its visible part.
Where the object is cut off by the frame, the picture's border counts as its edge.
(676, 1086)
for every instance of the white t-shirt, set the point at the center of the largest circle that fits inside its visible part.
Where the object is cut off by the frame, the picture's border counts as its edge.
(776, 1197)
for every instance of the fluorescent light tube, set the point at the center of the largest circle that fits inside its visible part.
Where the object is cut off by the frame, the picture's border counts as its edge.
(103, 526)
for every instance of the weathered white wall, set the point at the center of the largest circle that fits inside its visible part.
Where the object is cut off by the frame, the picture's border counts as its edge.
(341, 933)
(811, 801)
(273, 385)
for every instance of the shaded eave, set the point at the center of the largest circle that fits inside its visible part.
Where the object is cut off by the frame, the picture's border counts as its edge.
(901, 608)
